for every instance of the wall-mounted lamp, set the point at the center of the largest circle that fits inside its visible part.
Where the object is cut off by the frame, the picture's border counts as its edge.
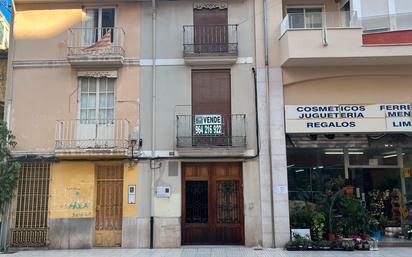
(132, 144)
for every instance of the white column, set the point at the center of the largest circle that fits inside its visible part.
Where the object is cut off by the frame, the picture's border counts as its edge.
(278, 159)
(264, 160)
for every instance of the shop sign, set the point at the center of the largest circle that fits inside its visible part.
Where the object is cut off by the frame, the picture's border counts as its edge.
(208, 125)
(348, 118)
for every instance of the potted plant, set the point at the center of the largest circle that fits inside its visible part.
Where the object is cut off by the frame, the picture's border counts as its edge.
(298, 244)
(318, 225)
(348, 245)
(375, 228)
(322, 245)
(349, 190)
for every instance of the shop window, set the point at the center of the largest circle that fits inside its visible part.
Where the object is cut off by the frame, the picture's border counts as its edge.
(308, 172)
(373, 157)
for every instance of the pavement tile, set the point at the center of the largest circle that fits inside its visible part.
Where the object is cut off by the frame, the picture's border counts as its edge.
(210, 252)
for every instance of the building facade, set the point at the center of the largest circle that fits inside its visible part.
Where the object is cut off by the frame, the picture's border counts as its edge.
(72, 103)
(198, 104)
(345, 75)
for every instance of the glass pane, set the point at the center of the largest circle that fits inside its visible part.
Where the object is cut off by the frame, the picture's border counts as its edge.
(92, 85)
(406, 172)
(107, 17)
(92, 101)
(295, 10)
(91, 18)
(296, 20)
(313, 19)
(197, 202)
(102, 85)
(102, 100)
(110, 100)
(83, 101)
(373, 157)
(110, 85)
(83, 114)
(83, 85)
(91, 114)
(110, 114)
(90, 25)
(102, 114)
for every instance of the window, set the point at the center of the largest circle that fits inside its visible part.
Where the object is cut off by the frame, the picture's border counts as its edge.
(305, 17)
(97, 99)
(98, 22)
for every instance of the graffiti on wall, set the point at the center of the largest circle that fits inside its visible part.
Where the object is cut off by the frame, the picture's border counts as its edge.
(78, 203)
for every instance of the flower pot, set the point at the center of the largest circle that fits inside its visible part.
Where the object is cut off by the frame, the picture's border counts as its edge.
(377, 235)
(331, 237)
(349, 190)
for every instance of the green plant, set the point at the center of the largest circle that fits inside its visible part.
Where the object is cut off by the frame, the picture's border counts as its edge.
(318, 225)
(322, 244)
(348, 245)
(301, 216)
(334, 185)
(354, 216)
(299, 242)
(9, 168)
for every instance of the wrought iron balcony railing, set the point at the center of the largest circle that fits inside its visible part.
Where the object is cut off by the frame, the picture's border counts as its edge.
(96, 42)
(211, 130)
(92, 134)
(210, 39)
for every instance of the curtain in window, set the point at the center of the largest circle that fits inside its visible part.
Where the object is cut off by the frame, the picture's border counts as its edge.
(97, 99)
(90, 27)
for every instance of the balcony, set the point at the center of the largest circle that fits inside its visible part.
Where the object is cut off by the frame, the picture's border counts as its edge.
(334, 38)
(211, 131)
(210, 44)
(92, 137)
(96, 47)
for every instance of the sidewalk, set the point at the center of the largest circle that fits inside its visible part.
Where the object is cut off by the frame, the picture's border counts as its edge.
(209, 252)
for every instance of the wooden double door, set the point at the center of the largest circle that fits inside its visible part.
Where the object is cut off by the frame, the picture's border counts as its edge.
(212, 203)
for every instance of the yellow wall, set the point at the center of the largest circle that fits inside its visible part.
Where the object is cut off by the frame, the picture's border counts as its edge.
(72, 190)
(130, 176)
(73, 187)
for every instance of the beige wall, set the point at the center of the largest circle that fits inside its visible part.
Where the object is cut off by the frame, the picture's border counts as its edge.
(173, 82)
(348, 85)
(39, 39)
(45, 86)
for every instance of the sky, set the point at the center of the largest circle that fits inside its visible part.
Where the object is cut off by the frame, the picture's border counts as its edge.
(3, 10)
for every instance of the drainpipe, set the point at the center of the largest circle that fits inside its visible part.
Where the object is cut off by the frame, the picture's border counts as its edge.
(266, 48)
(6, 211)
(152, 162)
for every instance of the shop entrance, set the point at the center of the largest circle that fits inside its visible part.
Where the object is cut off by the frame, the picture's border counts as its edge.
(212, 204)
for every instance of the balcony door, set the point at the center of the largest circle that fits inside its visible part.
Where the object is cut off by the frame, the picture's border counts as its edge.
(96, 126)
(98, 22)
(211, 108)
(210, 30)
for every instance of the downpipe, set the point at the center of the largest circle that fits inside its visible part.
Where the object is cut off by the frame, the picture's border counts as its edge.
(153, 139)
